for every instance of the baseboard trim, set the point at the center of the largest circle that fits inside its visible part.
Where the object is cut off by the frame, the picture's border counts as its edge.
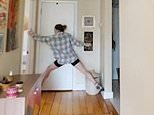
(107, 95)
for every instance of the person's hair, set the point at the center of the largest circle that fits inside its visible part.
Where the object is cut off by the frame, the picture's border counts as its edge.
(60, 27)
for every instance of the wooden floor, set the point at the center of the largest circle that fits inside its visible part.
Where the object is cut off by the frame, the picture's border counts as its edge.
(74, 103)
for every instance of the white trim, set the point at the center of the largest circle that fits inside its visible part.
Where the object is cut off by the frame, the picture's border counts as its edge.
(107, 95)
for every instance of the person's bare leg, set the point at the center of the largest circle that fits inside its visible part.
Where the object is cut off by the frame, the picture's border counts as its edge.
(47, 72)
(83, 70)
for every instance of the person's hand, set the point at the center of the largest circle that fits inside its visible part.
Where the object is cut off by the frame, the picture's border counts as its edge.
(31, 33)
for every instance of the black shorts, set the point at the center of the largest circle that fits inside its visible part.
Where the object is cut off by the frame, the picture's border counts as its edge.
(73, 63)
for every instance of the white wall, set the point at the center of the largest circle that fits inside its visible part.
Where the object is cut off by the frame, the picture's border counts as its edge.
(11, 60)
(137, 57)
(90, 58)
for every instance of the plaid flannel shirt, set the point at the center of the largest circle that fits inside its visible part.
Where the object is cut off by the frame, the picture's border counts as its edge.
(62, 45)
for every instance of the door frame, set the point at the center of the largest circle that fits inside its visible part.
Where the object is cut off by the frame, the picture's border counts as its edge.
(39, 22)
(32, 23)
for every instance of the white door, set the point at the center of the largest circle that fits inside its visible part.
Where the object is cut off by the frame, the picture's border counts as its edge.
(53, 13)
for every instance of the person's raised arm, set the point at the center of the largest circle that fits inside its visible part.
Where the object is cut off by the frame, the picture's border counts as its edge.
(40, 38)
(75, 42)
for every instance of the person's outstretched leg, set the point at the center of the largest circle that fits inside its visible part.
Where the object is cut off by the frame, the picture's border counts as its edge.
(83, 70)
(47, 72)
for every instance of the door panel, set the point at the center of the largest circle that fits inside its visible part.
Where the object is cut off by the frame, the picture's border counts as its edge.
(55, 13)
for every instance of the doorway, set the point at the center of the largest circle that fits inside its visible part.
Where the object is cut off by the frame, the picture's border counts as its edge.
(27, 54)
(115, 55)
(52, 13)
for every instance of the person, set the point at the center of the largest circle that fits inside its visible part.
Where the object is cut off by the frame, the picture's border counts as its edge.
(62, 44)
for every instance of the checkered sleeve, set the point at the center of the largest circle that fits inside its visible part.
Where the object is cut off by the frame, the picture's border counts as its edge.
(40, 38)
(75, 42)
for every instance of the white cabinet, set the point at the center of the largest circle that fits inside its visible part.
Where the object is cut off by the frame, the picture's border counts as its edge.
(27, 101)
(15, 106)
(59, 79)
(66, 77)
